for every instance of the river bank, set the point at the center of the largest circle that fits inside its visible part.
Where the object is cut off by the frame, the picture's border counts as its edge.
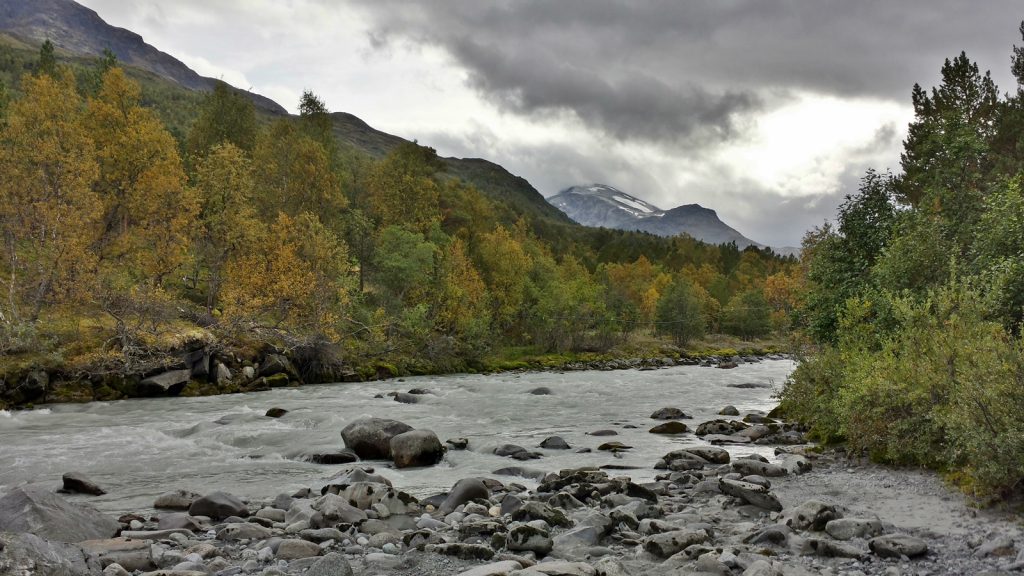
(204, 367)
(729, 499)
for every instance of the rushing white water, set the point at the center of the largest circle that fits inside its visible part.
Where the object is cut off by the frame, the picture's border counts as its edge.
(137, 449)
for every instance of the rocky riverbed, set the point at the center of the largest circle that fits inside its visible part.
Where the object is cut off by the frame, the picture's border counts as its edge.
(706, 510)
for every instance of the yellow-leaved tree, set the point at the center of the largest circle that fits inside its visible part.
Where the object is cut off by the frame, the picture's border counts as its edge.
(228, 223)
(292, 277)
(149, 211)
(49, 212)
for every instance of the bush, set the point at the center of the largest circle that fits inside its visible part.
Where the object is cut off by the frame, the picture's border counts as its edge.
(747, 315)
(945, 389)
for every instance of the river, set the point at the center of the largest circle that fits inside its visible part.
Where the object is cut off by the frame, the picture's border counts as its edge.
(138, 449)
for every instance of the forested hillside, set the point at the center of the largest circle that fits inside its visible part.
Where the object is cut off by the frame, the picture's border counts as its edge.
(140, 220)
(915, 297)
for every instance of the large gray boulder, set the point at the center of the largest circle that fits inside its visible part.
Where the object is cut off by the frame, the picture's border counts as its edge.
(416, 448)
(750, 493)
(169, 383)
(48, 515)
(371, 437)
(24, 554)
(218, 505)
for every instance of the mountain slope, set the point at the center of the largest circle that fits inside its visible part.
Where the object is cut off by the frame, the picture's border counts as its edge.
(81, 31)
(604, 206)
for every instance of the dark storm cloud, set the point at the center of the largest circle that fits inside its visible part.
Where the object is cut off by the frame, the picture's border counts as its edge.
(664, 70)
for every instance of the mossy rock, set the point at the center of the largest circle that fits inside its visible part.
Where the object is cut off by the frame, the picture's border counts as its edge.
(106, 393)
(277, 380)
(71, 391)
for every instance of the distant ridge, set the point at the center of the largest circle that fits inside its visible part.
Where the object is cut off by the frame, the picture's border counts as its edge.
(81, 31)
(601, 205)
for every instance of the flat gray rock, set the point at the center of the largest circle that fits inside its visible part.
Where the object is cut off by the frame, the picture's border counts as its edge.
(29, 555)
(48, 515)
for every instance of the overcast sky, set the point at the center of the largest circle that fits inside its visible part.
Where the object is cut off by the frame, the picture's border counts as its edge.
(767, 111)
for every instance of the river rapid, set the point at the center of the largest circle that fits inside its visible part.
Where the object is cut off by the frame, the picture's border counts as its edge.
(138, 449)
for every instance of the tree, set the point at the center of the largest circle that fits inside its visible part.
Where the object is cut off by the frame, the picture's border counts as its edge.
(679, 313)
(94, 78)
(49, 212)
(402, 189)
(294, 175)
(503, 262)
(225, 183)
(463, 310)
(290, 278)
(316, 122)
(224, 116)
(149, 211)
(403, 264)
(747, 315)
(47, 64)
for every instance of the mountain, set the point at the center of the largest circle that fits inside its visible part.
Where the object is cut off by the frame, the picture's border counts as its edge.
(604, 206)
(80, 31)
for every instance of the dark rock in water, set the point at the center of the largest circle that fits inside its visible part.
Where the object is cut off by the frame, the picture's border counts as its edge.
(531, 473)
(436, 500)
(419, 391)
(516, 452)
(416, 448)
(541, 391)
(78, 483)
(555, 443)
(749, 385)
(28, 554)
(276, 412)
(218, 505)
(457, 443)
(613, 446)
(669, 414)
(49, 516)
(618, 467)
(344, 456)
(371, 437)
(725, 427)
(176, 500)
(727, 365)
(672, 427)
(167, 384)
(403, 398)
(756, 419)
(729, 411)
(603, 433)
(463, 491)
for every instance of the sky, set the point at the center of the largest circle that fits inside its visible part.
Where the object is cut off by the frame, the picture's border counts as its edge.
(767, 111)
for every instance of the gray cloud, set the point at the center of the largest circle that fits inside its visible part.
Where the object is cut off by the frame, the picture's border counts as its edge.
(664, 70)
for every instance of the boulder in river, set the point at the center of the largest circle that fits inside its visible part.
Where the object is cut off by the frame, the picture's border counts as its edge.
(78, 483)
(276, 412)
(24, 554)
(603, 433)
(463, 491)
(343, 456)
(405, 398)
(671, 427)
(457, 443)
(371, 437)
(416, 448)
(729, 411)
(669, 413)
(516, 452)
(48, 515)
(218, 505)
(555, 443)
(541, 391)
